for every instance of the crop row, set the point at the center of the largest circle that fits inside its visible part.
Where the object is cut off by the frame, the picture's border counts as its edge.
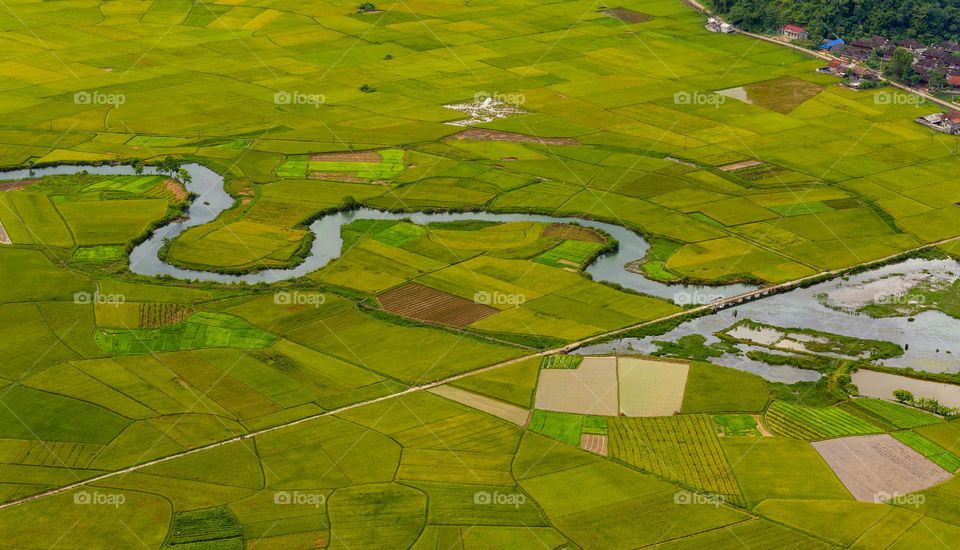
(684, 448)
(802, 422)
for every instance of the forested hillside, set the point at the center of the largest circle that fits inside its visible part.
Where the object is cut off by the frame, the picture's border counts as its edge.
(928, 21)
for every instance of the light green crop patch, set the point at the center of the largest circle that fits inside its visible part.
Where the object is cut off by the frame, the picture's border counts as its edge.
(98, 253)
(199, 331)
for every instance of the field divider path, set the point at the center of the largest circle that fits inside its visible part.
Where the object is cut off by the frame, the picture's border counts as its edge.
(711, 307)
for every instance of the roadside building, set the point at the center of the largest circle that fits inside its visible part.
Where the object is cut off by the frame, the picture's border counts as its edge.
(794, 32)
(829, 45)
(716, 25)
(837, 67)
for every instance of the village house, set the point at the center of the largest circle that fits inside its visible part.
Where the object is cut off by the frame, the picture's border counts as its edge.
(716, 25)
(794, 32)
(837, 67)
(948, 123)
(912, 45)
(831, 44)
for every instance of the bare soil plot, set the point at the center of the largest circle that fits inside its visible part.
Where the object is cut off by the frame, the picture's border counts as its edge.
(627, 15)
(876, 467)
(4, 238)
(11, 185)
(572, 233)
(740, 165)
(348, 156)
(481, 134)
(761, 426)
(651, 388)
(506, 411)
(882, 385)
(434, 306)
(594, 443)
(783, 94)
(334, 176)
(175, 188)
(591, 388)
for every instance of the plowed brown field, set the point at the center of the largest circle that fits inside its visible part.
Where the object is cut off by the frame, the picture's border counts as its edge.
(572, 233)
(434, 306)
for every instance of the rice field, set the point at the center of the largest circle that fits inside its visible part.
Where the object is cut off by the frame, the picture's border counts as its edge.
(813, 423)
(682, 448)
(310, 107)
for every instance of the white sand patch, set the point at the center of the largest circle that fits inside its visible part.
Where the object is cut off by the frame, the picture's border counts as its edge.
(876, 467)
(792, 345)
(4, 238)
(886, 289)
(483, 110)
(589, 389)
(739, 165)
(762, 336)
(882, 385)
(506, 411)
(739, 93)
(651, 388)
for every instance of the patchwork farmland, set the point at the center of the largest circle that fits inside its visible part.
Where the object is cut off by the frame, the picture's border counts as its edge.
(291, 274)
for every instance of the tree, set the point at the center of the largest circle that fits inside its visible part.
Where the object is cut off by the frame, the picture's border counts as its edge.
(903, 396)
(137, 167)
(366, 7)
(169, 165)
(900, 67)
(184, 176)
(937, 80)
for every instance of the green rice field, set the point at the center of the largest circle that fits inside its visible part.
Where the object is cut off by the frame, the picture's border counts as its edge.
(313, 412)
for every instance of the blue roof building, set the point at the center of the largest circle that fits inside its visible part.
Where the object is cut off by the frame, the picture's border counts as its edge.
(830, 44)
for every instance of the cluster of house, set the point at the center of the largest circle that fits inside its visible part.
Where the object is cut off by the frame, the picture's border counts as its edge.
(854, 76)
(948, 123)
(944, 56)
(716, 25)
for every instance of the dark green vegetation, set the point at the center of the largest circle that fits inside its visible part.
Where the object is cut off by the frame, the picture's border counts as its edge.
(931, 21)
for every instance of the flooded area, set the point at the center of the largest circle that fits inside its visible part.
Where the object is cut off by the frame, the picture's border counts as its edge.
(931, 338)
(882, 385)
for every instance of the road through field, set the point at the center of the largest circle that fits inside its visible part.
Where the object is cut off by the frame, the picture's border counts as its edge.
(713, 306)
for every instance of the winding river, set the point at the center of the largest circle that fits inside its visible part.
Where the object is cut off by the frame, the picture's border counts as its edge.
(932, 336)
(212, 200)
